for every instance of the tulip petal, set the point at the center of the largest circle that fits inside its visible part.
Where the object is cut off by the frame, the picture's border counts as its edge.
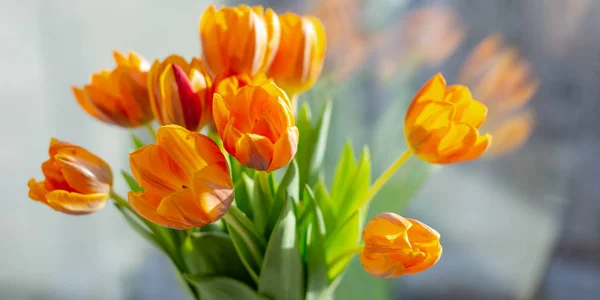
(512, 133)
(460, 136)
(381, 266)
(285, 149)
(182, 206)
(37, 190)
(75, 203)
(255, 150)
(88, 105)
(433, 90)
(191, 150)
(475, 151)
(214, 189)
(156, 170)
(145, 205)
(83, 171)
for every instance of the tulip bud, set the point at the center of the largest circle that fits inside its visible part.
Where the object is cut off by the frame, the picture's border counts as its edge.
(76, 181)
(299, 59)
(119, 96)
(395, 246)
(180, 92)
(257, 127)
(441, 124)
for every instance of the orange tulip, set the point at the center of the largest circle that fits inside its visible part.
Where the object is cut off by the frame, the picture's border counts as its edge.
(226, 85)
(239, 40)
(180, 92)
(504, 82)
(441, 125)
(395, 246)
(118, 96)
(256, 125)
(185, 177)
(299, 59)
(76, 182)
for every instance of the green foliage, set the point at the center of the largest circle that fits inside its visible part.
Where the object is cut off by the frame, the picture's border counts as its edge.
(222, 288)
(281, 276)
(313, 142)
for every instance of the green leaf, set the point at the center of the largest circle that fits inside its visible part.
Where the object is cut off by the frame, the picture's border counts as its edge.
(343, 239)
(325, 204)
(244, 191)
(288, 188)
(281, 276)
(213, 254)
(131, 182)
(351, 198)
(313, 142)
(248, 242)
(345, 167)
(222, 288)
(317, 281)
(262, 201)
(137, 142)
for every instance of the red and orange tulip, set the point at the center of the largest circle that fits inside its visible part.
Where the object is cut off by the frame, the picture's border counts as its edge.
(185, 177)
(502, 80)
(441, 125)
(180, 92)
(395, 246)
(257, 126)
(118, 96)
(299, 59)
(239, 40)
(76, 181)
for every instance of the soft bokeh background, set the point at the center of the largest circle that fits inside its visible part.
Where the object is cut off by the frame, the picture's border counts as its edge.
(525, 225)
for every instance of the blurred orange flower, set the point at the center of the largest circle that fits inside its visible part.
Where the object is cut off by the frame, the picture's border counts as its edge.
(441, 125)
(504, 82)
(347, 43)
(118, 96)
(395, 246)
(257, 126)
(299, 58)
(239, 40)
(426, 35)
(180, 92)
(185, 177)
(76, 181)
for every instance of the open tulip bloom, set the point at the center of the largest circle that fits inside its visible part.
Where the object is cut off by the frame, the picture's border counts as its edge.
(213, 203)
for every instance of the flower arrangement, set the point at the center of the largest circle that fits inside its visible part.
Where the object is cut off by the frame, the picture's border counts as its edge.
(245, 211)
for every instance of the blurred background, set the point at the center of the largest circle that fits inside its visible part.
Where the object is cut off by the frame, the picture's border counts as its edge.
(521, 223)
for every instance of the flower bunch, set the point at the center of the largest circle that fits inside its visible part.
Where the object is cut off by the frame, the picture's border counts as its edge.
(234, 228)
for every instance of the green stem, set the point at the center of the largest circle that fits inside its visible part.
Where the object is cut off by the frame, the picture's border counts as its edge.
(119, 200)
(337, 259)
(151, 130)
(386, 175)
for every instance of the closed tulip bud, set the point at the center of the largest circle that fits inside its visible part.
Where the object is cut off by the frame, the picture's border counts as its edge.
(299, 59)
(239, 40)
(394, 246)
(76, 182)
(180, 92)
(185, 177)
(118, 96)
(257, 126)
(441, 124)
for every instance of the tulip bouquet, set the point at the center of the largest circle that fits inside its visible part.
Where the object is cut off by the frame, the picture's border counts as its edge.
(245, 211)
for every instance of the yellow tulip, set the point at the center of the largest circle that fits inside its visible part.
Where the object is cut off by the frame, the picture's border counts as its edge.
(441, 124)
(395, 246)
